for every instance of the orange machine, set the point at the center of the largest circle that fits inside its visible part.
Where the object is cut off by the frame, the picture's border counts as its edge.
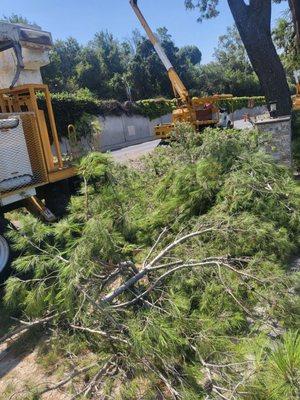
(39, 128)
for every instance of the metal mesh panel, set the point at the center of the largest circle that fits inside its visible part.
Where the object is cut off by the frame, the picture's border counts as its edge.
(21, 156)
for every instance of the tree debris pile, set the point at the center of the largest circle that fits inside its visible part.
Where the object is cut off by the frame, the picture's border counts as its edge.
(173, 273)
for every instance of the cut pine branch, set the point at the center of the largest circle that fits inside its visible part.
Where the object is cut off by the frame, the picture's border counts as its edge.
(149, 267)
(171, 268)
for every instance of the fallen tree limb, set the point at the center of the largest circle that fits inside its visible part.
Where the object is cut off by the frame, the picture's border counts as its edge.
(230, 292)
(143, 272)
(173, 392)
(161, 278)
(67, 380)
(95, 381)
(205, 262)
(24, 327)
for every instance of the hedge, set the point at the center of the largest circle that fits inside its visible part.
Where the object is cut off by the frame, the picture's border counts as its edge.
(69, 108)
(237, 103)
(154, 108)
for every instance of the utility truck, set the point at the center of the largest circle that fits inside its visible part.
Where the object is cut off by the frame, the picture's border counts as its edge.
(32, 167)
(199, 111)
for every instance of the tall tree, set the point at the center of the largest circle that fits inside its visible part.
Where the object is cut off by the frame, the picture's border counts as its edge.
(64, 57)
(253, 22)
(232, 71)
(231, 52)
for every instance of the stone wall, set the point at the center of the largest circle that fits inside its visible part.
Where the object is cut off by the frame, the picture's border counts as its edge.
(281, 133)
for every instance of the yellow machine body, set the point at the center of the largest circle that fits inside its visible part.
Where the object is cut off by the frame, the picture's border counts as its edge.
(30, 150)
(197, 114)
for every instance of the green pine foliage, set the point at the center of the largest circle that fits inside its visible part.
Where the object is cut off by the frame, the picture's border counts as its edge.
(212, 331)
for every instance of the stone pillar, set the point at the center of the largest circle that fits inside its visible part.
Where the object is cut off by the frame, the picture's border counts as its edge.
(281, 138)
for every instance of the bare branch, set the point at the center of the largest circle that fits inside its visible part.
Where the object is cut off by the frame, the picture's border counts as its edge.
(95, 381)
(177, 242)
(229, 291)
(25, 326)
(205, 262)
(67, 380)
(99, 333)
(130, 282)
(154, 246)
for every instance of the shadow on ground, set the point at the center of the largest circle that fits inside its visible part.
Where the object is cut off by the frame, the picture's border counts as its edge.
(13, 353)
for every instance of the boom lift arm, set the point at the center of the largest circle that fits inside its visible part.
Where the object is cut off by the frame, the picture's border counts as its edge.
(179, 89)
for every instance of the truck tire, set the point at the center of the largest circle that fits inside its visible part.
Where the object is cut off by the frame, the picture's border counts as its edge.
(6, 255)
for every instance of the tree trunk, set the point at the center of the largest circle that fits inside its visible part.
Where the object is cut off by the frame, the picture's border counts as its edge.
(254, 25)
(295, 9)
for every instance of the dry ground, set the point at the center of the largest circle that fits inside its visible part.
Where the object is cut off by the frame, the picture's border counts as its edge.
(20, 371)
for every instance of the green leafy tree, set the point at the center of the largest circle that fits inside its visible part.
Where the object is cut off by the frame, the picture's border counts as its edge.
(90, 74)
(231, 51)
(60, 73)
(284, 39)
(147, 67)
(232, 71)
(191, 54)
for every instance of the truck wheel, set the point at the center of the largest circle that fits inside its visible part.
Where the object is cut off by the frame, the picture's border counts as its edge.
(5, 252)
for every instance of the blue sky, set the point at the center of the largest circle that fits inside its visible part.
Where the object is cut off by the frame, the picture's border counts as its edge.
(81, 19)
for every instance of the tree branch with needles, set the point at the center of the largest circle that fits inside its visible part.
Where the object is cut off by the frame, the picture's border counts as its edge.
(170, 268)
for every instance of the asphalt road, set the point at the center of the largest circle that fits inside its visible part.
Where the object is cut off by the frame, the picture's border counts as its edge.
(137, 151)
(134, 152)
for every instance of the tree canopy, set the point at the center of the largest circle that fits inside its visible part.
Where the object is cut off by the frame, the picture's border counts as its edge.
(110, 68)
(120, 70)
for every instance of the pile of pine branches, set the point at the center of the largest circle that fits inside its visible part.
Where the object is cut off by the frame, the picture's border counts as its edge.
(173, 272)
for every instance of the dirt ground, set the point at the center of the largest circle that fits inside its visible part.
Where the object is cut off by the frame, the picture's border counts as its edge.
(21, 374)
